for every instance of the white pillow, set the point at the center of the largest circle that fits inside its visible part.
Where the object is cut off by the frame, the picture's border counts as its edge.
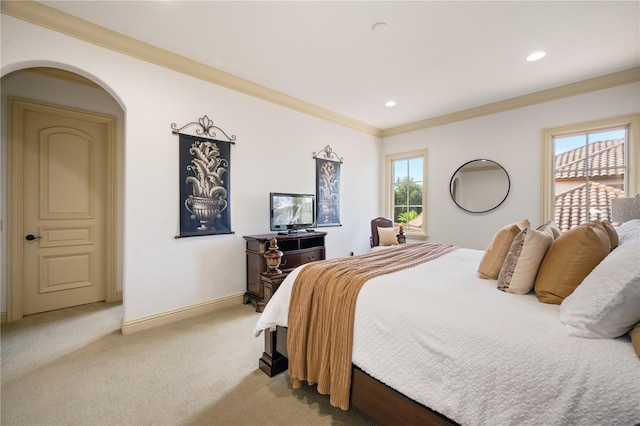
(520, 267)
(387, 236)
(628, 231)
(607, 302)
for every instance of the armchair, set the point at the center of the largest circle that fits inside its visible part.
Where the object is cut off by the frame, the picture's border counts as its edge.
(383, 222)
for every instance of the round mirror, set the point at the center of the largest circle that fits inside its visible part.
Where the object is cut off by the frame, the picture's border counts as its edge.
(479, 186)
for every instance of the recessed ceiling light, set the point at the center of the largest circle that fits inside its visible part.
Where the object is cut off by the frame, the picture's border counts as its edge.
(379, 27)
(536, 55)
(390, 103)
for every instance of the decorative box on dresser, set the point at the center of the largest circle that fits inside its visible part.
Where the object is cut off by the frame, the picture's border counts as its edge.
(297, 249)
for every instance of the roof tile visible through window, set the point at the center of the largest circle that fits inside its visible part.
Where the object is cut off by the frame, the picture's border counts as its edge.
(607, 162)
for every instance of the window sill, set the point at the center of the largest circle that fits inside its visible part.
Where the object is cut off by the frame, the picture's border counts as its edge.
(416, 237)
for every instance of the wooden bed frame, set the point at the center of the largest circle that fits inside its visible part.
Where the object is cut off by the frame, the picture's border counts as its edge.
(372, 397)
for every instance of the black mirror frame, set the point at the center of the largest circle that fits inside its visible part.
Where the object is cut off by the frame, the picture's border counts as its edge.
(480, 211)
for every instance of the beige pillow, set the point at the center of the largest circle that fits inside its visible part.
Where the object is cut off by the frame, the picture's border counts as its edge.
(520, 267)
(571, 257)
(497, 250)
(611, 231)
(387, 236)
(550, 226)
(635, 338)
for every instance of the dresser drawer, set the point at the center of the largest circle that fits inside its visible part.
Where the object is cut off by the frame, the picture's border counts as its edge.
(297, 249)
(300, 257)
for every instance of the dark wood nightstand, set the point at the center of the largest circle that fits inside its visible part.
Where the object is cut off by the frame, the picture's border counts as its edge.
(271, 362)
(270, 283)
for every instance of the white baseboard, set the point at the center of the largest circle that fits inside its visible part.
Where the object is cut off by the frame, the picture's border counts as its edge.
(168, 317)
(132, 326)
(3, 315)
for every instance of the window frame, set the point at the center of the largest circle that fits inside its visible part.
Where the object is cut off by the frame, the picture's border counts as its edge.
(390, 189)
(632, 175)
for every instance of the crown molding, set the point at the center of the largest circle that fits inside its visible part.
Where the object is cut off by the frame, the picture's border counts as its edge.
(54, 19)
(631, 75)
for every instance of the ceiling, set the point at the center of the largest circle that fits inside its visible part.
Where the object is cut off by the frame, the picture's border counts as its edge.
(435, 57)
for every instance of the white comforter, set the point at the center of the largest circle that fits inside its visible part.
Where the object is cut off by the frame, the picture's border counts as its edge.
(453, 342)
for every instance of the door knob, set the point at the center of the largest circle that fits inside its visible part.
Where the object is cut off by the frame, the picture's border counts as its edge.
(31, 237)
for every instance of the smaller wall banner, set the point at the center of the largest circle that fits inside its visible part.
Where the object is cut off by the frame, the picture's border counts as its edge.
(327, 188)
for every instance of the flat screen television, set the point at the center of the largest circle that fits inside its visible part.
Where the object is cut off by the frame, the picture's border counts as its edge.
(291, 212)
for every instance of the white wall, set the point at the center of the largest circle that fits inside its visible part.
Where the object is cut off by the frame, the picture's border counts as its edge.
(512, 139)
(273, 153)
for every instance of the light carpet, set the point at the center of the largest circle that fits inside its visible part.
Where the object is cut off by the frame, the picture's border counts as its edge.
(74, 367)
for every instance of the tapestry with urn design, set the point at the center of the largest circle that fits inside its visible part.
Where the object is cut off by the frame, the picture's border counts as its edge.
(204, 186)
(327, 187)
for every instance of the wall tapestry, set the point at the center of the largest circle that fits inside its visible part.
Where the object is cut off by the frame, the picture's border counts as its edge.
(204, 180)
(327, 187)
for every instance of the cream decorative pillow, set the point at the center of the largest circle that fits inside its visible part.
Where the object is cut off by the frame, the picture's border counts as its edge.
(571, 257)
(387, 236)
(497, 250)
(520, 267)
(607, 303)
(550, 226)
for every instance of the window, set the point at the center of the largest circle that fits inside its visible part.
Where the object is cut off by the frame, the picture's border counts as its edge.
(406, 192)
(587, 165)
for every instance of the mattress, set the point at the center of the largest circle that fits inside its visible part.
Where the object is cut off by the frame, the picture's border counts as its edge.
(451, 341)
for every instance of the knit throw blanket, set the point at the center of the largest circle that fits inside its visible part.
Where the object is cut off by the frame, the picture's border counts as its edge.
(322, 312)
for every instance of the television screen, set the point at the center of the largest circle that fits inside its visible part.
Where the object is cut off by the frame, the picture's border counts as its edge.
(290, 212)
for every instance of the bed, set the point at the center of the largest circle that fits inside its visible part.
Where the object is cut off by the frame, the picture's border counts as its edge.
(436, 344)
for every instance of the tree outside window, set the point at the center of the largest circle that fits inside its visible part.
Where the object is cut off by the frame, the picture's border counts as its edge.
(407, 191)
(407, 199)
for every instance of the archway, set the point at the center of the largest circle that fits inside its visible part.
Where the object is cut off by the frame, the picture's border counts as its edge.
(55, 85)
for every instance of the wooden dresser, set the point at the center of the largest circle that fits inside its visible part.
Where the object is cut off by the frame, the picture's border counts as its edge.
(297, 249)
